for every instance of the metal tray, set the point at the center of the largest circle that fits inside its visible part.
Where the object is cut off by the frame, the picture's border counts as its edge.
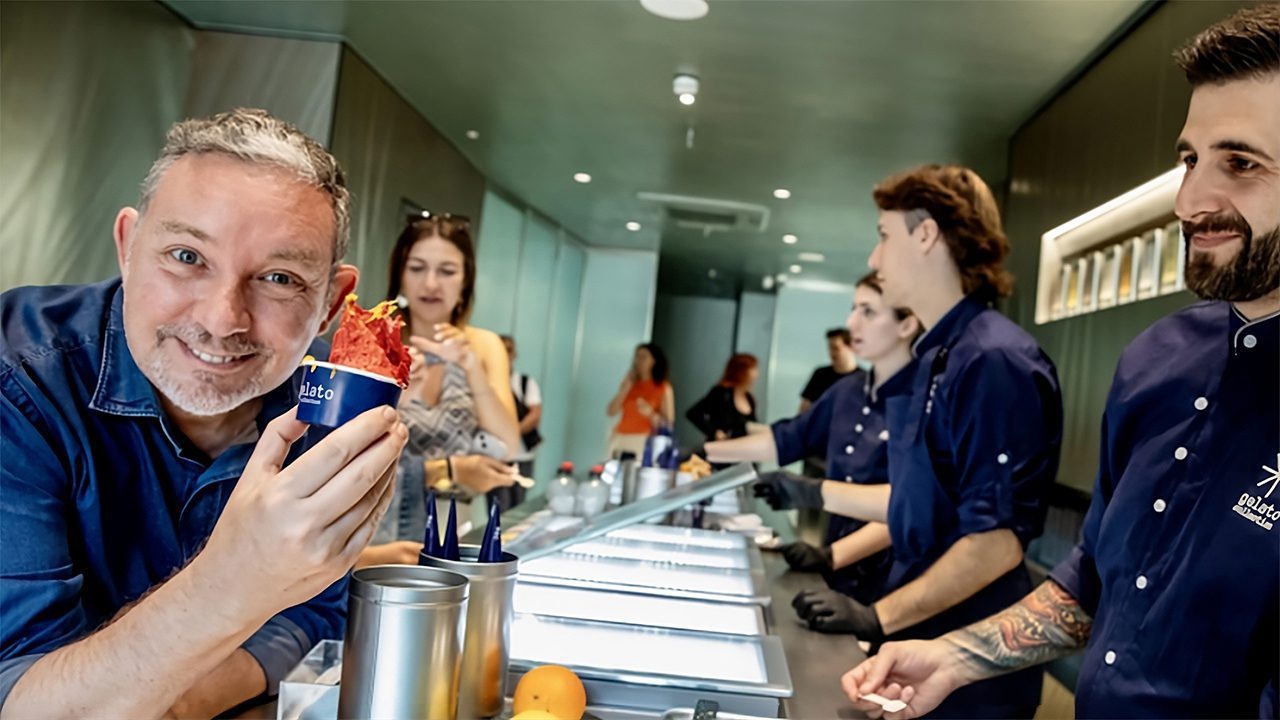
(638, 609)
(649, 578)
(630, 666)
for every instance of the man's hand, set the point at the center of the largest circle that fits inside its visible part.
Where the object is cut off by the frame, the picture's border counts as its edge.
(286, 534)
(784, 490)
(481, 473)
(829, 611)
(805, 557)
(921, 673)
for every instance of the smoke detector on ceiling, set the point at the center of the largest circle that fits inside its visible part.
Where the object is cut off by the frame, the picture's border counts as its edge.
(686, 88)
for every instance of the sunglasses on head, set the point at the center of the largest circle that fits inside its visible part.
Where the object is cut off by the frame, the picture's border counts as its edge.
(415, 217)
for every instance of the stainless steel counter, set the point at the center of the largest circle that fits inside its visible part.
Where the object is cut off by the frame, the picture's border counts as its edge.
(816, 660)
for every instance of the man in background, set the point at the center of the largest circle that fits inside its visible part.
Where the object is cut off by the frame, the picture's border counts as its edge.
(843, 362)
(529, 412)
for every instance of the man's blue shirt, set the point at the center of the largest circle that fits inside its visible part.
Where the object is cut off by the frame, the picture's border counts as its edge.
(1179, 561)
(101, 496)
(973, 448)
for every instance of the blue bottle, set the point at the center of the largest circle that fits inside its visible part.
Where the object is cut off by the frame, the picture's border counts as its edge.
(449, 543)
(491, 544)
(431, 541)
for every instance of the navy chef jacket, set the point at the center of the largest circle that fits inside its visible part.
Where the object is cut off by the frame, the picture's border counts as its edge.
(101, 497)
(847, 426)
(973, 448)
(1179, 562)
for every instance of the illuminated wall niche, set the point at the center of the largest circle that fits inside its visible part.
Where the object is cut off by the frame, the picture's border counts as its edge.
(1127, 249)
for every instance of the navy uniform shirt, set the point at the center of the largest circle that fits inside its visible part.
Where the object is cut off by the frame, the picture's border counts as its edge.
(101, 497)
(847, 427)
(1179, 561)
(973, 448)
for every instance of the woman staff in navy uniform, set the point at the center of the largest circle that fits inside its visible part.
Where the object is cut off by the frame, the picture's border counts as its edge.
(1175, 585)
(847, 425)
(973, 449)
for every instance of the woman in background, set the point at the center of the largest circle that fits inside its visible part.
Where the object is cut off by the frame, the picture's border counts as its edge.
(644, 399)
(725, 410)
(847, 426)
(459, 387)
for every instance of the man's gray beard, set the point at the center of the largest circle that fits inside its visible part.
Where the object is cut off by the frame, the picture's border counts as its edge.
(196, 394)
(1251, 274)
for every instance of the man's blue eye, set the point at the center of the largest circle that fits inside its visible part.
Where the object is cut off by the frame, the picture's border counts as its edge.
(186, 256)
(278, 278)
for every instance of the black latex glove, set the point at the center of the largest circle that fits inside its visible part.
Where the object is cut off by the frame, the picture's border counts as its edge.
(784, 490)
(805, 557)
(829, 611)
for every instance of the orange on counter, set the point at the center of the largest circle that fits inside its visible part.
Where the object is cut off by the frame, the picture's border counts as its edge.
(534, 715)
(552, 689)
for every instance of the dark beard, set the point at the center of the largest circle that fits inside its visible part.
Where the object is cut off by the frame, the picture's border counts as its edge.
(1251, 274)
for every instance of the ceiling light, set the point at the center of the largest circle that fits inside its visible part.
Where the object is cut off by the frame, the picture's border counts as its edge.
(812, 257)
(766, 282)
(782, 193)
(676, 9)
(790, 239)
(795, 269)
(712, 273)
(781, 278)
(473, 135)
(582, 177)
(633, 226)
(686, 88)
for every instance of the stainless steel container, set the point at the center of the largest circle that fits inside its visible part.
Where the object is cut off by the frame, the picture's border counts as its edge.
(487, 648)
(403, 647)
(655, 481)
(628, 475)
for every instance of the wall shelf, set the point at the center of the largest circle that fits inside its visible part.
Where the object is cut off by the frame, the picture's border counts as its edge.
(1126, 250)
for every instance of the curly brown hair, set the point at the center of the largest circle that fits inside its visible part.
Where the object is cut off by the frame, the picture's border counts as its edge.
(967, 216)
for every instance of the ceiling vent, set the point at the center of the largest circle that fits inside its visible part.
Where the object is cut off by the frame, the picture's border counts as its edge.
(708, 215)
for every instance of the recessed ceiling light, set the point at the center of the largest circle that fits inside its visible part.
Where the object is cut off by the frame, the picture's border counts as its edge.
(790, 239)
(712, 273)
(781, 278)
(795, 269)
(582, 177)
(473, 134)
(676, 9)
(633, 226)
(687, 98)
(812, 257)
(782, 193)
(766, 282)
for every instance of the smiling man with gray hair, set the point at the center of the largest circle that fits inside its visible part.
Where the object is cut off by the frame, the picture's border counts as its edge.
(174, 538)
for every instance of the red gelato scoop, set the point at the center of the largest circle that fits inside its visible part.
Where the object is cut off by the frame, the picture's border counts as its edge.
(369, 340)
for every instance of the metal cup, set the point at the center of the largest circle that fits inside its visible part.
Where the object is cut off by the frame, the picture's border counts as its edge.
(488, 638)
(403, 647)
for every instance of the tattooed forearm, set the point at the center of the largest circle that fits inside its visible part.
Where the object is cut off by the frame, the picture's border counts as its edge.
(1044, 625)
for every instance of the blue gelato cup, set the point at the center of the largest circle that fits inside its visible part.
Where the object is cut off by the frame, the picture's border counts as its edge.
(331, 395)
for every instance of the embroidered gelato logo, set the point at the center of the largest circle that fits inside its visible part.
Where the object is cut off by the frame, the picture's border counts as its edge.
(1255, 508)
(1274, 479)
